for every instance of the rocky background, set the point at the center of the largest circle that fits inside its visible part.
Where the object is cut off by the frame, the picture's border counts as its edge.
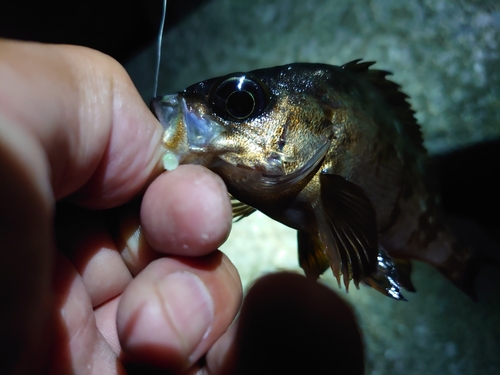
(445, 54)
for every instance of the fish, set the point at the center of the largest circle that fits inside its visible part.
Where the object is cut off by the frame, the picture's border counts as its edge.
(334, 152)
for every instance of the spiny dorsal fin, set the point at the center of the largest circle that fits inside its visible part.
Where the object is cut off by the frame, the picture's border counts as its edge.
(393, 96)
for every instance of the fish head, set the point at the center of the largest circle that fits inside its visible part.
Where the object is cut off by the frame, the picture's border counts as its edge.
(263, 131)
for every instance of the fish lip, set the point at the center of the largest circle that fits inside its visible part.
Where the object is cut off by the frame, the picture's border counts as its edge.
(172, 111)
(188, 130)
(157, 106)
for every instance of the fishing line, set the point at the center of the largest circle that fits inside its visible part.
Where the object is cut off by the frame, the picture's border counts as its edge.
(158, 51)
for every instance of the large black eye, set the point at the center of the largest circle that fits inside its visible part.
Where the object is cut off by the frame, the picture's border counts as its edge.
(239, 97)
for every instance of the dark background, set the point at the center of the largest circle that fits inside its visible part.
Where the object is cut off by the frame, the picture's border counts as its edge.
(120, 28)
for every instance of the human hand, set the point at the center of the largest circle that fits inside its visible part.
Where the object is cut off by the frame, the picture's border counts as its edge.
(73, 127)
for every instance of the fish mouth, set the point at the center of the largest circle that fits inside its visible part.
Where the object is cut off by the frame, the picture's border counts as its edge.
(165, 108)
(187, 133)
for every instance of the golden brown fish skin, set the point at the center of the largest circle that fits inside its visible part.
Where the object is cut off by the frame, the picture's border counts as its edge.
(357, 125)
(389, 163)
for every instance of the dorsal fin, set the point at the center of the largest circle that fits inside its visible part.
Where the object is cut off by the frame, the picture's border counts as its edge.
(393, 96)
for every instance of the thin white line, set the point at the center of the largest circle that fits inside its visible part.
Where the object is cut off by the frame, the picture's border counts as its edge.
(158, 52)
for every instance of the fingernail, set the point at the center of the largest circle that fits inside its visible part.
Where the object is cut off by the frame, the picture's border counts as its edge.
(190, 307)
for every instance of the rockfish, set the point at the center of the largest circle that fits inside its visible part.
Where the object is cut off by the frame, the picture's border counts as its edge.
(334, 152)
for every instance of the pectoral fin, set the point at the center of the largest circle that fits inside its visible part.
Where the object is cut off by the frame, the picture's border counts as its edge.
(240, 210)
(347, 228)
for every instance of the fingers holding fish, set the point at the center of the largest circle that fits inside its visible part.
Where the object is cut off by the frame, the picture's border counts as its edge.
(64, 127)
(175, 309)
(186, 212)
(177, 341)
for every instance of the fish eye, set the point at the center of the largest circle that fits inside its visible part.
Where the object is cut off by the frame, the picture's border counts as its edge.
(239, 97)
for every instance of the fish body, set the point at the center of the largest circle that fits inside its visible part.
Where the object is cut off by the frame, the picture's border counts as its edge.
(334, 152)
